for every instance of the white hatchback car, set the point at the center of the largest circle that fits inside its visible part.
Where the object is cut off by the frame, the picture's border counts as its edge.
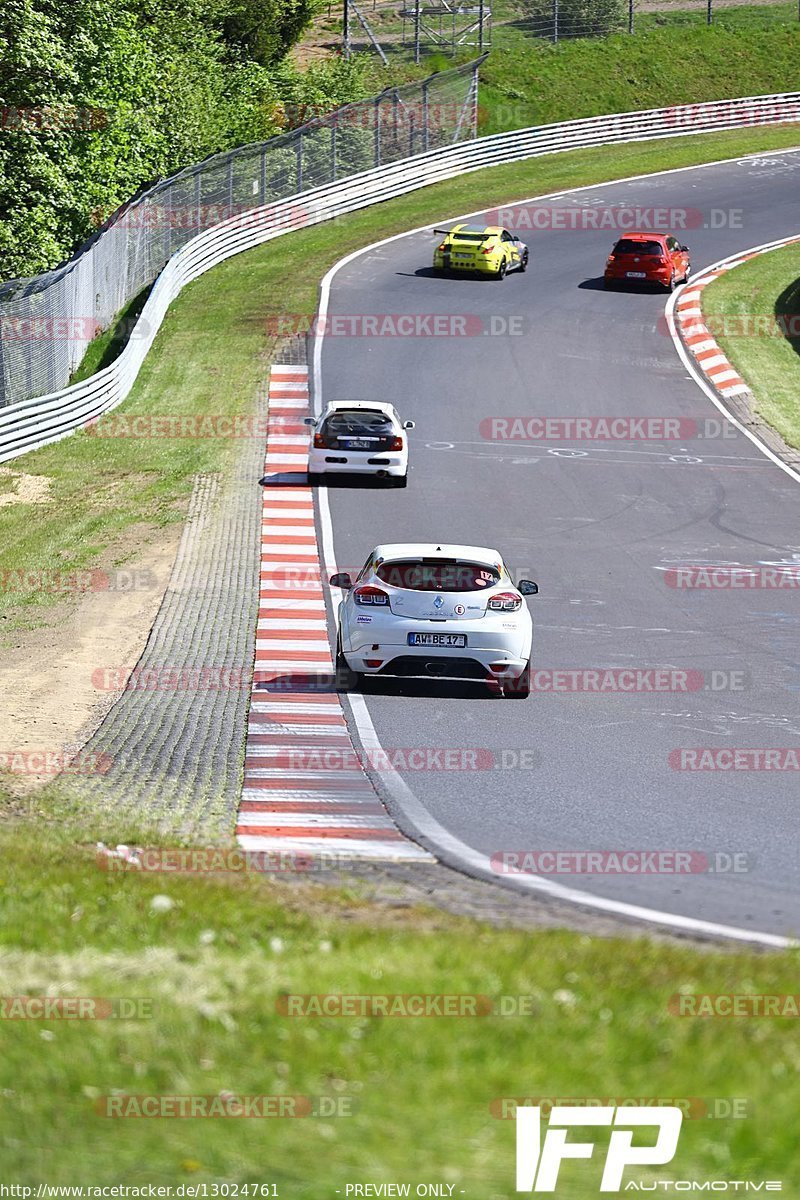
(435, 610)
(363, 436)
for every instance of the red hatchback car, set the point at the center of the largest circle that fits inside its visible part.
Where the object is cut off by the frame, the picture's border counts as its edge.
(648, 258)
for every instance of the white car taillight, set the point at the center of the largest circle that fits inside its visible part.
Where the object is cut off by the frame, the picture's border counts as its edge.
(505, 602)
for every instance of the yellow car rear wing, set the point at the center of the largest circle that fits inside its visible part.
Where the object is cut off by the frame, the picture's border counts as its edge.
(465, 234)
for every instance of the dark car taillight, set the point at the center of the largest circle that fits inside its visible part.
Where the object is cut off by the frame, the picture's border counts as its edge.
(396, 443)
(505, 602)
(319, 442)
(370, 595)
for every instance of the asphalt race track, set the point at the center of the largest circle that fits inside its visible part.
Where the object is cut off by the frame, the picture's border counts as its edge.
(597, 524)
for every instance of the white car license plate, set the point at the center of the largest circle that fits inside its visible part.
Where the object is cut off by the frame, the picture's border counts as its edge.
(462, 256)
(437, 639)
(356, 444)
(636, 274)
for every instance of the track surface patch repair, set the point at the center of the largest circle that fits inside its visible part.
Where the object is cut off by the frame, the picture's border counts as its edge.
(305, 789)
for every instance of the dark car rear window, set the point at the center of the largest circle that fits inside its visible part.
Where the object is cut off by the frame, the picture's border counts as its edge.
(629, 246)
(347, 422)
(438, 575)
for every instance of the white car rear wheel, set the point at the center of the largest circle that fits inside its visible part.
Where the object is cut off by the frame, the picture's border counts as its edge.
(346, 678)
(520, 688)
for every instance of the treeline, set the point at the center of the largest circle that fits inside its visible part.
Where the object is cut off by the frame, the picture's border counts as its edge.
(98, 97)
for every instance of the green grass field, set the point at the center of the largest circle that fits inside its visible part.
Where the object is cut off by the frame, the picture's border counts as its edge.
(411, 1096)
(673, 58)
(751, 300)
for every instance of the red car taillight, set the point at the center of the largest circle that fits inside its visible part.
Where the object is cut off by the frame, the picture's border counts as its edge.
(396, 444)
(319, 441)
(487, 250)
(505, 602)
(370, 595)
(442, 246)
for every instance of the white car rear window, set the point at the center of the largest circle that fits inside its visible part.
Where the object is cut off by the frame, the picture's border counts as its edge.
(438, 575)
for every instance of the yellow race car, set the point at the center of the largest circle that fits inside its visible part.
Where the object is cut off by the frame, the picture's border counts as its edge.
(484, 249)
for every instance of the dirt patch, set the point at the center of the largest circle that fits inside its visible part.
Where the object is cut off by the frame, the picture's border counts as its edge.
(50, 704)
(25, 489)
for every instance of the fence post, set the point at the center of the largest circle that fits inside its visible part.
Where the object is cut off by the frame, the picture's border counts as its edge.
(425, 121)
(377, 151)
(630, 15)
(334, 125)
(474, 99)
(417, 4)
(709, 12)
(299, 162)
(555, 20)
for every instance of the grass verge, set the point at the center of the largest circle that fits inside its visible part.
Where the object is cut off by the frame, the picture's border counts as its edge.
(213, 349)
(403, 1100)
(674, 57)
(757, 302)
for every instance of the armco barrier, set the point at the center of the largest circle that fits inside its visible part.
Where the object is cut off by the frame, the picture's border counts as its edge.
(39, 421)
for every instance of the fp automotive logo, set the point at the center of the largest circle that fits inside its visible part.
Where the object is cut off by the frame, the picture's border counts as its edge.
(538, 1164)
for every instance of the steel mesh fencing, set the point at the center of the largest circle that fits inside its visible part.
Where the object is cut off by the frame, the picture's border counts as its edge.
(47, 322)
(559, 20)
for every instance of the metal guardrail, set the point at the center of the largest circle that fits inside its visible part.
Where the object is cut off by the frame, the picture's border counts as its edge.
(39, 421)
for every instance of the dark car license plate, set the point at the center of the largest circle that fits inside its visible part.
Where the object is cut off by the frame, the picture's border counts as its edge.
(437, 639)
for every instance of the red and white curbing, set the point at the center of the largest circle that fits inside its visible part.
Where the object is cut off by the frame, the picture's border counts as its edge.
(287, 803)
(697, 337)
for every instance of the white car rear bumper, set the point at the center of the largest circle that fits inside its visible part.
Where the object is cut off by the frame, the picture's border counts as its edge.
(487, 647)
(359, 462)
